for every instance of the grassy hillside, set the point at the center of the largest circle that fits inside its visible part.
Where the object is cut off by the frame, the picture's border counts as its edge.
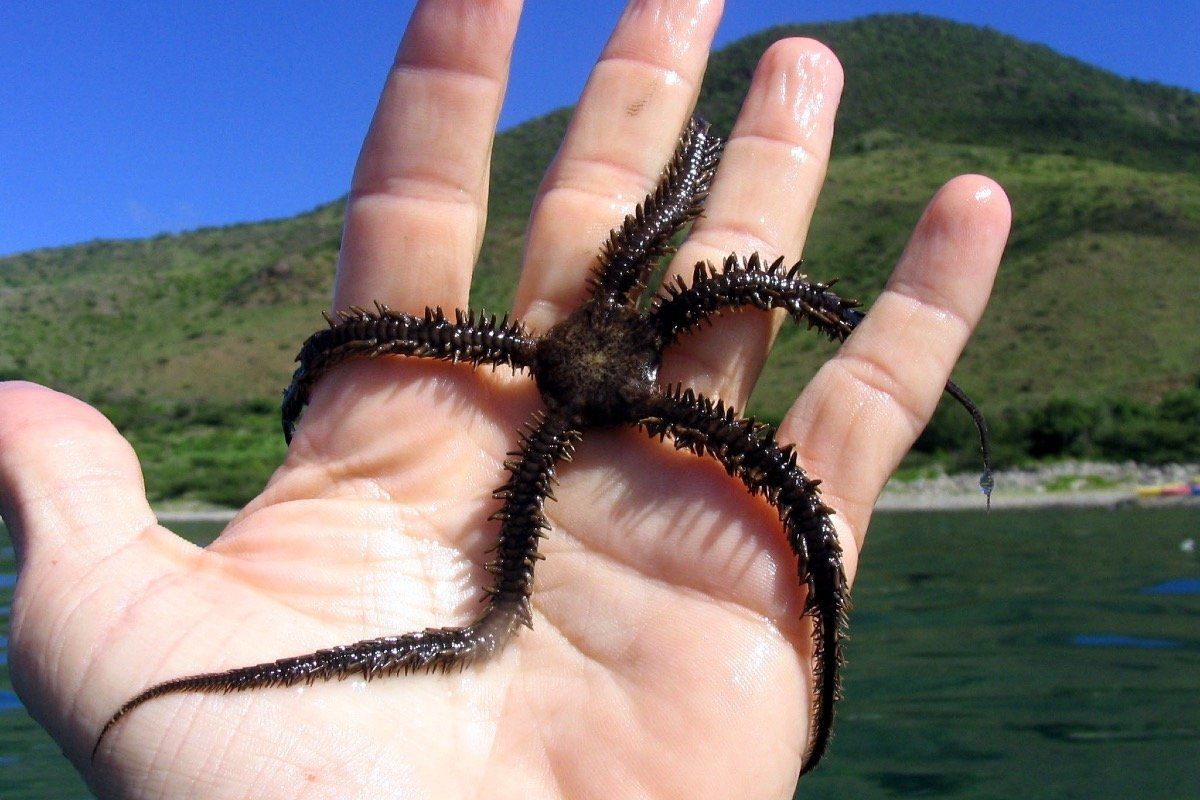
(957, 83)
(188, 339)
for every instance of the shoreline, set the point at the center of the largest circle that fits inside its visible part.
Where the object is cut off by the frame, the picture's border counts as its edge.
(1112, 498)
(1062, 485)
(888, 502)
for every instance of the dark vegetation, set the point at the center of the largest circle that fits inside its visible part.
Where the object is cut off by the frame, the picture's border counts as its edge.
(1089, 348)
(1093, 428)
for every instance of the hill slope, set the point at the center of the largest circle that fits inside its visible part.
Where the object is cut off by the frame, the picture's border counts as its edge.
(1095, 300)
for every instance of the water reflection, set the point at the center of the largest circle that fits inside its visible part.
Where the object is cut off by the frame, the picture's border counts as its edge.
(1117, 640)
(1177, 586)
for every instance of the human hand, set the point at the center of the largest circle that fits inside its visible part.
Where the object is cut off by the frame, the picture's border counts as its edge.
(667, 655)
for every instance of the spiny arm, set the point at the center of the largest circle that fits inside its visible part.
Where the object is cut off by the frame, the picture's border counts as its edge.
(680, 308)
(749, 451)
(549, 438)
(987, 481)
(631, 251)
(357, 333)
(737, 283)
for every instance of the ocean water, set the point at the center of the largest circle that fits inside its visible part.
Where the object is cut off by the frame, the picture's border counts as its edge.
(1046, 654)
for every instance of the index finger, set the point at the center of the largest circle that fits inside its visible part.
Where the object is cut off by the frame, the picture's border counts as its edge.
(418, 199)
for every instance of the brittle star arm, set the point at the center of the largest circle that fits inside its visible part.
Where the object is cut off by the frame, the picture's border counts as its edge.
(748, 450)
(680, 308)
(357, 333)
(549, 438)
(632, 250)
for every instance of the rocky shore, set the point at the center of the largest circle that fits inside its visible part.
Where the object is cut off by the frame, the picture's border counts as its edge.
(1065, 483)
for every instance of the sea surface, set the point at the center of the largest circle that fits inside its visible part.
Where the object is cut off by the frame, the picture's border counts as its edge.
(1019, 654)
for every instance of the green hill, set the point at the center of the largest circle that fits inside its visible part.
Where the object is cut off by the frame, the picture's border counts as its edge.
(187, 340)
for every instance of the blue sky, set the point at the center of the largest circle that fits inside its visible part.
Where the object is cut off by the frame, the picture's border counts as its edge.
(129, 119)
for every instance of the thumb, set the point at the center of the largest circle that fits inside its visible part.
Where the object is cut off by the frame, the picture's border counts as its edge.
(71, 493)
(71, 489)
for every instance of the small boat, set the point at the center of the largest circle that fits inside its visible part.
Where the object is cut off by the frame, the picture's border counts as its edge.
(1181, 489)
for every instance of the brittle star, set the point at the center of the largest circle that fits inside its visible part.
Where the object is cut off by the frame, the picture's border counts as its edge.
(597, 368)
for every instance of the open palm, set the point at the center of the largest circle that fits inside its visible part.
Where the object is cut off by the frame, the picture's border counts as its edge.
(667, 656)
